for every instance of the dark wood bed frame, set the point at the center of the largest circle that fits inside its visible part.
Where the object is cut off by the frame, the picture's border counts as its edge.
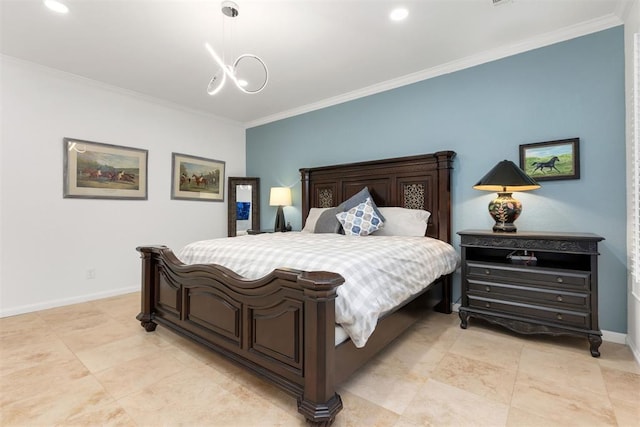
(281, 327)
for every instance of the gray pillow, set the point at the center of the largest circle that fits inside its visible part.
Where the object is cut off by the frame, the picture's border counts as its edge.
(327, 221)
(356, 199)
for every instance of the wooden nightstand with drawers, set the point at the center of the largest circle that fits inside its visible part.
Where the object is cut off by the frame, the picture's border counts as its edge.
(532, 282)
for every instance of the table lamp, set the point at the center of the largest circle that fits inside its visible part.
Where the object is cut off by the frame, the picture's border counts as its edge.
(505, 178)
(280, 196)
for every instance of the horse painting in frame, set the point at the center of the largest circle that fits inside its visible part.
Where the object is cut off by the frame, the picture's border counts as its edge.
(551, 160)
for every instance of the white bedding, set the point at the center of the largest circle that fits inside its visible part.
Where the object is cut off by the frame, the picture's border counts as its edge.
(380, 272)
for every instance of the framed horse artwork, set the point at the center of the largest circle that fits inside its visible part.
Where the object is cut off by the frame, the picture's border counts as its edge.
(551, 160)
(197, 178)
(94, 170)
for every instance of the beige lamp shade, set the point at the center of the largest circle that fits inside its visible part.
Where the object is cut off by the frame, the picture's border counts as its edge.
(280, 196)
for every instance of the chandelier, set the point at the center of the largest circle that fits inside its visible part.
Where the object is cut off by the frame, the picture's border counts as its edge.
(248, 72)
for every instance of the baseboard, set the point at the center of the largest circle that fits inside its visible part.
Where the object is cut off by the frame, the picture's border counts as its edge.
(67, 301)
(614, 337)
(634, 350)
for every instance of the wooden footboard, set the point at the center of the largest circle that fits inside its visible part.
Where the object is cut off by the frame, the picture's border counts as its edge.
(281, 326)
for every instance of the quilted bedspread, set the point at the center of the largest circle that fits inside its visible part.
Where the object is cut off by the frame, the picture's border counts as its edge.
(380, 272)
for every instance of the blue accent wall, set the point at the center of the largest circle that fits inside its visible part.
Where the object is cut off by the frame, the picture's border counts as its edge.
(569, 89)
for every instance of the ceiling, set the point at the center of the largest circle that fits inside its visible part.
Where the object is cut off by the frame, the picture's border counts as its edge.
(318, 52)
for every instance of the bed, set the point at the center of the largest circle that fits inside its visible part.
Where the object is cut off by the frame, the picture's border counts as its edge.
(282, 326)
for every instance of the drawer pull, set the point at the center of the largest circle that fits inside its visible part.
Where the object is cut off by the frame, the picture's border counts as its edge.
(559, 316)
(487, 271)
(488, 305)
(488, 289)
(559, 298)
(559, 280)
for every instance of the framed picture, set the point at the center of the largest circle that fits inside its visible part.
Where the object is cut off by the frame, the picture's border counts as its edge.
(93, 170)
(551, 160)
(196, 178)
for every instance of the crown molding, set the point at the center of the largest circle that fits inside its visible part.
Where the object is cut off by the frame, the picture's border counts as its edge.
(567, 33)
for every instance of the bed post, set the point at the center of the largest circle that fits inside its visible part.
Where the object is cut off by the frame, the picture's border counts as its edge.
(146, 313)
(444, 306)
(445, 164)
(319, 403)
(306, 196)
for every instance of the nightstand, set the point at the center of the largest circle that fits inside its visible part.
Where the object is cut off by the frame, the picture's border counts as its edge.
(552, 288)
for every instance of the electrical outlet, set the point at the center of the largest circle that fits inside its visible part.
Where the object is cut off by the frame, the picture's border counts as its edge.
(91, 273)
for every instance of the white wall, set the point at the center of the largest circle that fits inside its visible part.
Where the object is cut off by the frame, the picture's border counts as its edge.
(47, 243)
(632, 28)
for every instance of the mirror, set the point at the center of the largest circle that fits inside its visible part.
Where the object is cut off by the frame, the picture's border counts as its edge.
(244, 205)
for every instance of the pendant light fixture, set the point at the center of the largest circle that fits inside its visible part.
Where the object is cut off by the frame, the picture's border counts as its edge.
(248, 72)
(56, 6)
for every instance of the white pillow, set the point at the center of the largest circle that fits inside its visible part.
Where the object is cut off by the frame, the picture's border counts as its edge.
(312, 218)
(403, 222)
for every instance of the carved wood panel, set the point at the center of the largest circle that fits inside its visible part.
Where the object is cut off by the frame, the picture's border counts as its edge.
(168, 294)
(413, 196)
(325, 195)
(214, 311)
(276, 333)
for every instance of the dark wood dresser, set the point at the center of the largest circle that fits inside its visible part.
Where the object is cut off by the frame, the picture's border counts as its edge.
(552, 288)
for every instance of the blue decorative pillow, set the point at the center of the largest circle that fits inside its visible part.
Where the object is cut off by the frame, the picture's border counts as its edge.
(361, 220)
(358, 198)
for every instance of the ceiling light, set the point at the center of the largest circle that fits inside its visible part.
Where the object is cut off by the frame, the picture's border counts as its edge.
(248, 72)
(399, 14)
(56, 6)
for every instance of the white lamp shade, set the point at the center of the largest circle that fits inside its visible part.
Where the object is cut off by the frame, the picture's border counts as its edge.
(280, 196)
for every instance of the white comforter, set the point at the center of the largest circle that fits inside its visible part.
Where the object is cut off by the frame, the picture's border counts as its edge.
(380, 272)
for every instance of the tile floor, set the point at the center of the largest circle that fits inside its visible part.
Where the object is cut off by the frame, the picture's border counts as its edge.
(88, 364)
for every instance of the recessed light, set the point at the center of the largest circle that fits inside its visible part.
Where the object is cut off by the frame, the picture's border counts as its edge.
(56, 6)
(399, 14)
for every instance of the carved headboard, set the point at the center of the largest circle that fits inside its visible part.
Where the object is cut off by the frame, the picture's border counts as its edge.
(414, 182)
